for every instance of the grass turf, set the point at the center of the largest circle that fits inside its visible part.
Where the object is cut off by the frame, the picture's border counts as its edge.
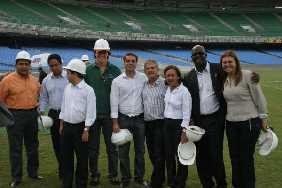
(268, 169)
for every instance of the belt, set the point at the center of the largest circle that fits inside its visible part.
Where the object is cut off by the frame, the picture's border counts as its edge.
(55, 110)
(74, 124)
(24, 110)
(209, 115)
(131, 116)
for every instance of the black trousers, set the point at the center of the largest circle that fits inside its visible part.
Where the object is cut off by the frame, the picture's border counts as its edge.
(154, 131)
(209, 159)
(56, 138)
(172, 135)
(94, 145)
(72, 143)
(136, 126)
(242, 137)
(25, 130)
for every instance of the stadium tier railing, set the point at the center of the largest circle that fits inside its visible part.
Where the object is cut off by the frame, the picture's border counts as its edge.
(80, 33)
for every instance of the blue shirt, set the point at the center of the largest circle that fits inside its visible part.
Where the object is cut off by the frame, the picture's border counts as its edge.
(52, 90)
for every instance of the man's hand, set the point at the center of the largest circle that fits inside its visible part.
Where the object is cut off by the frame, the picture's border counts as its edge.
(61, 127)
(84, 136)
(255, 78)
(264, 125)
(116, 128)
(184, 138)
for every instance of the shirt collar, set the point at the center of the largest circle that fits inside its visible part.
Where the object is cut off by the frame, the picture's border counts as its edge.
(176, 89)
(79, 85)
(207, 69)
(107, 67)
(157, 82)
(63, 74)
(22, 77)
(126, 77)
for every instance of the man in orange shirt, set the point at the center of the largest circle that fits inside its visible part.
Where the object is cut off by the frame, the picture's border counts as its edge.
(19, 91)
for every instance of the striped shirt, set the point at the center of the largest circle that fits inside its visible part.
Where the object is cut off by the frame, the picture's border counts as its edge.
(153, 100)
(52, 90)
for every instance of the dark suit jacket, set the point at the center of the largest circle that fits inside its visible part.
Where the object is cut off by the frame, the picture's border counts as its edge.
(191, 82)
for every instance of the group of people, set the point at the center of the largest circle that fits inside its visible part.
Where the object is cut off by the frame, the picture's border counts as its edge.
(85, 100)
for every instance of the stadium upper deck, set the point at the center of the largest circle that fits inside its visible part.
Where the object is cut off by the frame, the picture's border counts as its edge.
(41, 18)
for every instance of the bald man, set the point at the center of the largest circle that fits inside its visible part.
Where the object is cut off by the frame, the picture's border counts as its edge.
(208, 112)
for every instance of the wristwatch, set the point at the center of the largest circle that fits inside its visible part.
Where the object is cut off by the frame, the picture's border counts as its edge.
(86, 129)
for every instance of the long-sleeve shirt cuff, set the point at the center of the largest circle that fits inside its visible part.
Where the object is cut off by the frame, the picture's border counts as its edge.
(114, 115)
(185, 123)
(263, 116)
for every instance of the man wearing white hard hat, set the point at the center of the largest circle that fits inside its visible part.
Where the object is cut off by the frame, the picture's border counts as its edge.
(85, 59)
(19, 91)
(51, 94)
(127, 113)
(78, 113)
(100, 76)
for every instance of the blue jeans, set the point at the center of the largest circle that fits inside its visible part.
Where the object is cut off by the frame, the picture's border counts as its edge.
(136, 126)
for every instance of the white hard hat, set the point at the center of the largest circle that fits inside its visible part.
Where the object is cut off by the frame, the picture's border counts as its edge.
(194, 133)
(101, 44)
(186, 153)
(76, 65)
(45, 121)
(121, 137)
(23, 55)
(267, 142)
(84, 57)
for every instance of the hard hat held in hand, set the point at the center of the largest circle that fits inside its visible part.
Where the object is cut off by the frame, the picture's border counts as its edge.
(76, 65)
(186, 153)
(102, 44)
(267, 142)
(23, 55)
(47, 122)
(121, 137)
(194, 133)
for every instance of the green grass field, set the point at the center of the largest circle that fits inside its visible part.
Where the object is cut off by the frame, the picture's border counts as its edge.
(268, 169)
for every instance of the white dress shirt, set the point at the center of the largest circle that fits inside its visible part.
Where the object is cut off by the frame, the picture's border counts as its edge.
(52, 90)
(208, 101)
(178, 104)
(126, 95)
(79, 104)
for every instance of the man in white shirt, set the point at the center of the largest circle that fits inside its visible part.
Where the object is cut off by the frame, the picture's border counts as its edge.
(127, 113)
(208, 111)
(78, 113)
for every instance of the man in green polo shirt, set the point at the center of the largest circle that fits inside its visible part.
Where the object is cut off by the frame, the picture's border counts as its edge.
(100, 76)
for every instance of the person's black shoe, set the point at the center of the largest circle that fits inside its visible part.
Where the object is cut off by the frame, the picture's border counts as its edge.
(36, 177)
(115, 181)
(14, 183)
(94, 181)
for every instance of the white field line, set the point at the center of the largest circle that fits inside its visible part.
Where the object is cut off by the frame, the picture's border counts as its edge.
(271, 86)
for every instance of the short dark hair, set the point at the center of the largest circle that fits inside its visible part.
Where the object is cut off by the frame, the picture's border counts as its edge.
(130, 54)
(54, 56)
(173, 67)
